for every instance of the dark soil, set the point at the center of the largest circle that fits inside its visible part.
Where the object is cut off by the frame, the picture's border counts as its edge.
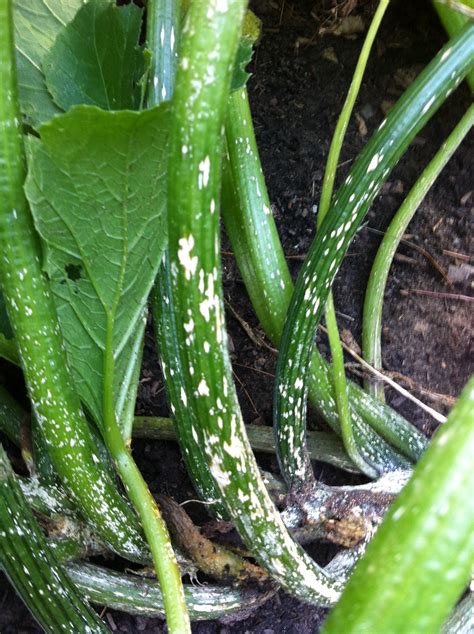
(296, 95)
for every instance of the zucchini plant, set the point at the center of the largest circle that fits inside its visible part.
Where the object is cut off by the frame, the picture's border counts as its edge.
(116, 157)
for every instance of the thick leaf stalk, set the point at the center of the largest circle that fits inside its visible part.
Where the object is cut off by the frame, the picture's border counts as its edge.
(163, 37)
(20, 427)
(259, 255)
(102, 308)
(324, 446)
(352, 202)
(419, 562)
(143, 597)
(209, 43)
(32, 567)
(373, 303)
(35, 324)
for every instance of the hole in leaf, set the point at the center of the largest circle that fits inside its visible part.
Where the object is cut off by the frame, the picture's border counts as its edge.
(73, 271)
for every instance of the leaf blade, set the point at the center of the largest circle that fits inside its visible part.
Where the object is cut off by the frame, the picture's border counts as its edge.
(98, 210)
(95, 59)
(36, 27)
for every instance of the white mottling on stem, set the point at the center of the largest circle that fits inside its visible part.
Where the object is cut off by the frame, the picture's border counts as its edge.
(374, 162)
(184, 255)
(428, 105)
(204, 171)
(203, 388)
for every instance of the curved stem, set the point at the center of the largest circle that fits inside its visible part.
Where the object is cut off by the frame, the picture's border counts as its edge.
(252, 232)
(337, 354)
(33, 568)
(142, 596)
(350, 206)
(453, 21)
(164, 23)
(373, 304)
(199, 103)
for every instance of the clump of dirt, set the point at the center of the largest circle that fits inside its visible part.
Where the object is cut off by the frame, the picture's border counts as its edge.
(298, 86)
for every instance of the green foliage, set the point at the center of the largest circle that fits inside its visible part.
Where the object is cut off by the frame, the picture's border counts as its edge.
(251, 229)
(96, 59)
(453, 21)
(37, 23)
(105, 180)
(348, 210)
(251, 30)
(99, 205)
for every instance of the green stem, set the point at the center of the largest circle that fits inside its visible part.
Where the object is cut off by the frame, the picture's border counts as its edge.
(165, 22)
(372, 167)
(373, 305)
(453, 22)
(35, 324)
(322, 446)
(166, 566)
(33, 568)
(164, 559)
(143, 597)
(199, 105)
(337, 354)
(419, 561)
(259, 255)
(162, 36)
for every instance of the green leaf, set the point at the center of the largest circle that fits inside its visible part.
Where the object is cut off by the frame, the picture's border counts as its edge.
(251, 30)
(97, 192)
(8, 349)
(96, 59)
(37, 24)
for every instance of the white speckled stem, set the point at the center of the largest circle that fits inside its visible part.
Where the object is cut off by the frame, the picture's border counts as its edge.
(327, 251)
(259, 255)
(31, 566)
(209, 43)
(142, 596)
(163, 37)
(354, 448)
